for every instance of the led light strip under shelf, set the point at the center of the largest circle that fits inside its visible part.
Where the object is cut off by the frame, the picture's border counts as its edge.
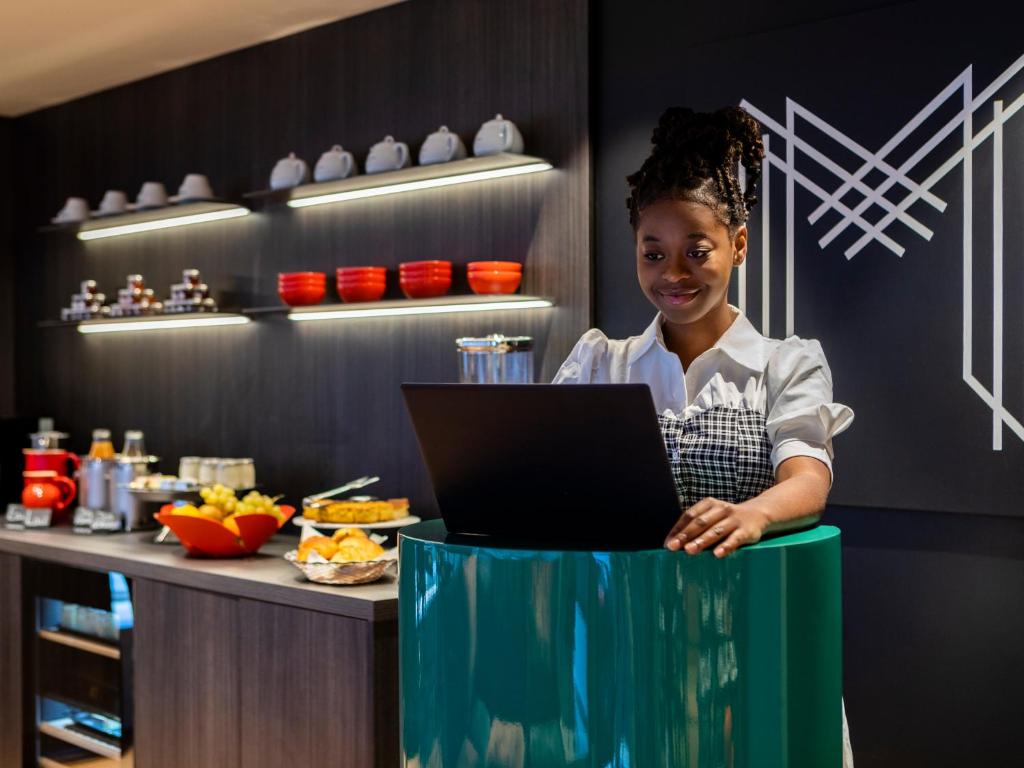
(163, 218)
(421, 307)
(131, 324)
(420, 177)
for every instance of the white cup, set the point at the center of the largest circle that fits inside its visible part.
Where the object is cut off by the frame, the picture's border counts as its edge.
(75, 209)
(497, 135)
(289, 172)
(442, 146)
(195, 187)
(152, 195)
(333, 164)
(387, 155)
(114, 201)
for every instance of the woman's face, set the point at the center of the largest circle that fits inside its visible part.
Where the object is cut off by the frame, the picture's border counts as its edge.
(684, 258)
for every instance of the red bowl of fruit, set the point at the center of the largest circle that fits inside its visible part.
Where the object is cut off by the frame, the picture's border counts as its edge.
(494, 281)
(232, 536)
(350, 292)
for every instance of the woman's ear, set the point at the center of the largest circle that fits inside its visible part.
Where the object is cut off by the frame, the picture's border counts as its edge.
(739, 246)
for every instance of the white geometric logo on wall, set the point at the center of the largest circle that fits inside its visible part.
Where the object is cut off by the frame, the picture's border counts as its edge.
(904, 187)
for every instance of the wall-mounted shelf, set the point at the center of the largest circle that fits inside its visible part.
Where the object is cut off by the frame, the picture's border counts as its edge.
(178, 215)
(406, 307)
(404, 180)
(161, 322)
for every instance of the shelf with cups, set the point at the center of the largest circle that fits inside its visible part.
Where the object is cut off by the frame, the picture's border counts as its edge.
(405, 307)
(183, 213)
(409, 179)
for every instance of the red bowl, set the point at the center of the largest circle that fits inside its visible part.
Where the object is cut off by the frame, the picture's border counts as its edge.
(302, 296)
(426, 288)
(301, 286)
(361, 292)
(424, 264)
(360, 283)
(360, 270)
(301, 280)
(501, 266)
(300, 275)
(416, 271)
(208, 538)
(494, 282)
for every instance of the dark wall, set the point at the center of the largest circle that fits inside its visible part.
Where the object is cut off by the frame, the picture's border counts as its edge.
(931, 600)
(313, 403)
(6, 271)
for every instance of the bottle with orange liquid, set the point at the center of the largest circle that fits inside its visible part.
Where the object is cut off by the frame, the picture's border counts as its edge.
(102, 446)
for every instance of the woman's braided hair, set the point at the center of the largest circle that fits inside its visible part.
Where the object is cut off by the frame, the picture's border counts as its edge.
(695, 157)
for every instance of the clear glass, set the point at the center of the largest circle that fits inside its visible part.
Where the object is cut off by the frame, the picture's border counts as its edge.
(134, 445)
(188, 468)
(208, 471)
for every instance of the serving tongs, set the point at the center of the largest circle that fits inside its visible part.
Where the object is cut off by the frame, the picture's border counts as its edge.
(319, 499)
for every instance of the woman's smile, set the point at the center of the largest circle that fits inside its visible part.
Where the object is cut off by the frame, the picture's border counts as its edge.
(677, 296)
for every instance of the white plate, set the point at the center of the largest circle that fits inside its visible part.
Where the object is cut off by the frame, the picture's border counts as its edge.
(399, 523)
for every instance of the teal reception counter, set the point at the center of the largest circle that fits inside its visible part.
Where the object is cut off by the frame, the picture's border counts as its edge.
(532, 658)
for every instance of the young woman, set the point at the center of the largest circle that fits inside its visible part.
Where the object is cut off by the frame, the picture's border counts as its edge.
(748, 420)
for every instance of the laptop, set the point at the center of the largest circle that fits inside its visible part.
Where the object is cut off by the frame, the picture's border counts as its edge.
(566, 466)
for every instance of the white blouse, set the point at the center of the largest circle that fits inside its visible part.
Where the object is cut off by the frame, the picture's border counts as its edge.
(788, 381)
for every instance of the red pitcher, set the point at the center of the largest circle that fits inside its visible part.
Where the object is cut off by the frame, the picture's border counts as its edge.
(45, 488)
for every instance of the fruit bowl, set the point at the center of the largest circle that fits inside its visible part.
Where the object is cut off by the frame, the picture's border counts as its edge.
(203, 537)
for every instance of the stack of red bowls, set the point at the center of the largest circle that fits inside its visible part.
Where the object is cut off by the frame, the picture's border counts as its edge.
(494, 276)
(298, 289)
(425, 279)
(361, 283)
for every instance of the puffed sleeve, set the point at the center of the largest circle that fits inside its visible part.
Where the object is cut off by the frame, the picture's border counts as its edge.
(584, 360)
(802, 419)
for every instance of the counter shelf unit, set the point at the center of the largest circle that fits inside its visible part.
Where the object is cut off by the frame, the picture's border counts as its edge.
(59, 729)
(406, 307)
(98, 647)
(410, 179)
(176, 215)
(151, 322)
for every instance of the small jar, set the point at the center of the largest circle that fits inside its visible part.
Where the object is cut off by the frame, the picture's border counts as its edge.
(246, 473)
(190, 277)
(208, 471)
(102, 446)
(188, 468)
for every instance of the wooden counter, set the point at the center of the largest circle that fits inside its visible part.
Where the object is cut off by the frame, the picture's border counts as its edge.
(266, 576)
(235, 663)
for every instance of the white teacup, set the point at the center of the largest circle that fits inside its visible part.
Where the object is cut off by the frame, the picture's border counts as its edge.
(441, 147)
(333, 164)
(114, 201)
(75, 209)
(195, 187)
(152, 195)
(289, 172)
(498, 135)
(387, 155)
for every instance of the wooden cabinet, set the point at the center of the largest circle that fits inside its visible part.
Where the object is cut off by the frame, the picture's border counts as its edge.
(11, 690)
(222, 681)
(186, 677)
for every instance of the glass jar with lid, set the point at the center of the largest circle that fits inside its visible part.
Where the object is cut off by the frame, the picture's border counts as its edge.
(495, 359)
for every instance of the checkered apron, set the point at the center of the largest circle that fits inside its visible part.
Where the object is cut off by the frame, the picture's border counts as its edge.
(721, 452)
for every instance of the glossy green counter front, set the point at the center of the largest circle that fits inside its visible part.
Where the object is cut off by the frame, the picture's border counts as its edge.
(534, 658)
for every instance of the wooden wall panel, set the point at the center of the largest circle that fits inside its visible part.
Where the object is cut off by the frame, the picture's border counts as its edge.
(187, 672)
(307, 687)
(11, 662)
(319, 403)
(6, 269)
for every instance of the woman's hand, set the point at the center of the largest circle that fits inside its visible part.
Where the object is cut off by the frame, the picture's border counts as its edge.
(714, 522)
(796, 500)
